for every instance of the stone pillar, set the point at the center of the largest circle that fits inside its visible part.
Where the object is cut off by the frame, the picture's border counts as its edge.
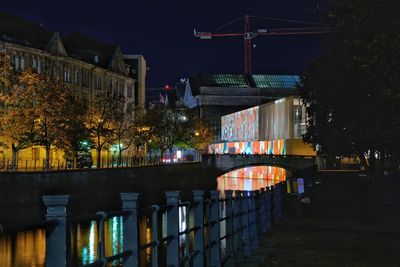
(173, 228)
(268, 208)
(130, 203)
(245, 224)
(277, 203)
(198, 197)
(252, 222)
(230, 250)
(237, 226)
(215, 230)
(56, 239)
(262, 209)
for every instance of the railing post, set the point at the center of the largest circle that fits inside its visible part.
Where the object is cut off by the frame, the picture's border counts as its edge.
(215, 229)
(237, 226)
(154, 235)
(268, 208)
(130, 203)
(262, 210)
(277, 203)
(56, 239)
(173, 228)
(230, 250)
(253, 221)
(198, 218)
(245, 223)
(101, 249)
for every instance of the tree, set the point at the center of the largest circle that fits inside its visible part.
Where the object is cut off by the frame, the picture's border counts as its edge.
(100, 123)
(141, 129)
(48, 101)
(201, 135)
(170, 127)
(122, 115)
(352, 92)
(16, 116)
(74, 136)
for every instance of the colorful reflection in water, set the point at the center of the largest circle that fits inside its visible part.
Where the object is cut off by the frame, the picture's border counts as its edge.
(29, 248)
(84, 239)
(251, 178)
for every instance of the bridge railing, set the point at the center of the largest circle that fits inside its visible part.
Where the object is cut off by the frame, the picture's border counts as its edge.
(209, 230)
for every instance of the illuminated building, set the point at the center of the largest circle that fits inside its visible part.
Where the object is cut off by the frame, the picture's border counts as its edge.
(216, 95)
(80, 63)
(273, 128)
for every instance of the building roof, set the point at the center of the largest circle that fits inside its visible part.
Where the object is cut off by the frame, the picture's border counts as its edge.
(86, 48)
(261, 81)
(77, 45)
(275, 81)
(23, 32)
(224, 80)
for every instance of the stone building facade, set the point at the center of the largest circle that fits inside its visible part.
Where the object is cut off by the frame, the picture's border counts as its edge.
(82, 64)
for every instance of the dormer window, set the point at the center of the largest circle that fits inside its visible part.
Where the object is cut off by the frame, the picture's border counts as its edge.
(96, 59)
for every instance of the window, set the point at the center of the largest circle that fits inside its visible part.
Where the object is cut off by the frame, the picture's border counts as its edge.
(16, 61)
(76, 76)
(98, 82)
(85, 78)
(119, 88)
(35, 153)
(22, 63)
(129, 91)
(65, 74)
(39, 67)
(56, 73)
(34, 63)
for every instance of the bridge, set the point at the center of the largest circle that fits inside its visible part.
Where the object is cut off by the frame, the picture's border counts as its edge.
(220, 164)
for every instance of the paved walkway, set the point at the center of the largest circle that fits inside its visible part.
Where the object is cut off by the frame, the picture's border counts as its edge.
(351, 222)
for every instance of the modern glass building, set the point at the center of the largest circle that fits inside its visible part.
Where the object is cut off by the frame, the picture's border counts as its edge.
(272, 128)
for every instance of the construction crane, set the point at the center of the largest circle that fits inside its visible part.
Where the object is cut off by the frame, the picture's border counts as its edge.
(248, 34)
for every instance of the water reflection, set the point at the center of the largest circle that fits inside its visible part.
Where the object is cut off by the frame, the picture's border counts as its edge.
(85, 237)
(251, 178)
(29, 249)
(23, 249)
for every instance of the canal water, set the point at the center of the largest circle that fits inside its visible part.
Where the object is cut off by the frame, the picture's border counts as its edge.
(28, 248)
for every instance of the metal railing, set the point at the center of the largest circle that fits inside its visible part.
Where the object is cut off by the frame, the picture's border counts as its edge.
(25, 165)
(242, 215)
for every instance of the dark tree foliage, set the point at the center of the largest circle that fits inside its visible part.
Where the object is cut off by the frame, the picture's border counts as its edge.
(353, 90)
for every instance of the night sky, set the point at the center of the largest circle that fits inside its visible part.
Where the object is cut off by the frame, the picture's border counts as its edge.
(163, 32)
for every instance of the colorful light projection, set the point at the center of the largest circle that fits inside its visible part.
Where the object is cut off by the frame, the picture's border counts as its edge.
(275, 147)
(242, 125)
(251, 178)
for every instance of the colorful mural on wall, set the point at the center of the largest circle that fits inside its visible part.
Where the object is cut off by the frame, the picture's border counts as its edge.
(242, 125)
(275, 147)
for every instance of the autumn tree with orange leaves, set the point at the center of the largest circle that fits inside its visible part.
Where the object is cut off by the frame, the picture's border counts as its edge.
(16, 113)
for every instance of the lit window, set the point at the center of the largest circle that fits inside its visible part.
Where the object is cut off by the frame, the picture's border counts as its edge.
(22, 63)
(39, 67)
(16, 62)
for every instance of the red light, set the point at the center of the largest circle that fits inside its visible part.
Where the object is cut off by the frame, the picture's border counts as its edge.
(167, 87)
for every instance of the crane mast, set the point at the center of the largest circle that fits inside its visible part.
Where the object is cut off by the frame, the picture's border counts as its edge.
(248, 34)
